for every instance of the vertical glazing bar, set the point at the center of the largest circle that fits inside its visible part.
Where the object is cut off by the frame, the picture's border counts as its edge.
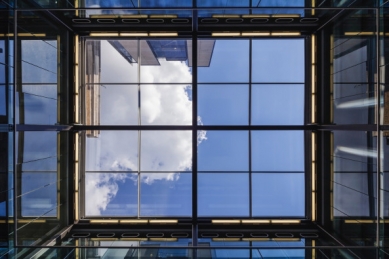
(378, 115)
(16, 81)
(249, 103)
(194, 132)
(139, 123)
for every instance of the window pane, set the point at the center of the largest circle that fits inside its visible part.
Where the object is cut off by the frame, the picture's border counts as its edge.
(37, 104)
(278, 194)
(223, 104)
(111, 194)
(224, 151)
(223, 194)
(165, 61)
(166, 194)
(39, 61)
(39, 194)
(278, 60)
(112, 151)
(166, 151)
(112, 61)
(277, 104)
(277, 150)
(119, 104)
(229, 62)
(166, 105)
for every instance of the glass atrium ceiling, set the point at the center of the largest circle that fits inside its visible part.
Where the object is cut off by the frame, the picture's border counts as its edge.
(193, 129)
(149, 172)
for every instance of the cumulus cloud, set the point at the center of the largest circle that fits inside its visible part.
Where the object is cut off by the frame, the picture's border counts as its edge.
(162, 154)
(100, 189)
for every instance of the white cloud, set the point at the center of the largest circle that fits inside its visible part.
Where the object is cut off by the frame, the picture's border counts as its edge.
(100, 189)
(163, 154)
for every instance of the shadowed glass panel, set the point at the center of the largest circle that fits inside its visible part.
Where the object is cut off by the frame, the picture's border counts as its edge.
(39, 194)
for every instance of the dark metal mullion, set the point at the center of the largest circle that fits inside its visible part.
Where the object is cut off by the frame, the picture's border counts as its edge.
(249, 117)
(194, 134)
(17, 78)
(307, 120)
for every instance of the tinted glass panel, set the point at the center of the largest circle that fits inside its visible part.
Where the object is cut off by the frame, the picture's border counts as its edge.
(223, 194)
(277, 104)
(223, 104)
(224, 151)
(229, 63)
(273, 60)
(166, 194)
(278, 194)
(277, 150)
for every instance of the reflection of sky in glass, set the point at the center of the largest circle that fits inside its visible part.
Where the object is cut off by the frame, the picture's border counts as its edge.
(37, 200)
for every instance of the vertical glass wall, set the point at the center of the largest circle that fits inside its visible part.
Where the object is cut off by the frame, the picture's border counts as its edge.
(6, 131)
(40, 202)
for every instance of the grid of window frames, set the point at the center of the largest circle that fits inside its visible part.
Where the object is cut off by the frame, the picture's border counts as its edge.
(195, 145)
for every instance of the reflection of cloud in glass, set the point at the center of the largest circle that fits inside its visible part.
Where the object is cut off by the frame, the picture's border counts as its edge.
(168, 152)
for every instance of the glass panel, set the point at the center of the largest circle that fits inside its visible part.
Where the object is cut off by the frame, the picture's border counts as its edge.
(278, 194)
(166, 194)
(39, 194)
(165, 61)
(119, 104)
(37, 104)
(273, 60)
(224, 151)
(223, 194)
(111, 151)
(229, 61)
(277, 151)
(3, 103)
(166, 105)
(166, 151)
(111, 61)
(287, 110)
(111, 194)
(39, 61)
(223, 104)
